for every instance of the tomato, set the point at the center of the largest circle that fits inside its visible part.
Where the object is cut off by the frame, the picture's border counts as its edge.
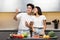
(18, 36)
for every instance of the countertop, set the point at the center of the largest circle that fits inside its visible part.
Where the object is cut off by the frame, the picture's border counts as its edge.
(14, 29)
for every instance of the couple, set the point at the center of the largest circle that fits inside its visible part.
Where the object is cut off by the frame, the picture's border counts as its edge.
(32, 19)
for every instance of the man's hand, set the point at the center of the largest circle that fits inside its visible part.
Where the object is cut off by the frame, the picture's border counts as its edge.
(26, 24)
(17, 10)
(29, 25)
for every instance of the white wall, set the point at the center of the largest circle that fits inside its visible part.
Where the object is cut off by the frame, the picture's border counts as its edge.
(9, 5)
(24, 3)
(46, 5)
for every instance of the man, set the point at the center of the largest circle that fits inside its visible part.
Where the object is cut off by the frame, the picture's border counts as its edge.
(24, 18)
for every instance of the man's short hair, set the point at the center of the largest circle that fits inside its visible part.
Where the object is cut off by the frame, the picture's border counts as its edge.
(30, 5)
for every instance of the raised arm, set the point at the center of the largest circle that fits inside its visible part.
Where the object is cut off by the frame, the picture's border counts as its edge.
(17, 12)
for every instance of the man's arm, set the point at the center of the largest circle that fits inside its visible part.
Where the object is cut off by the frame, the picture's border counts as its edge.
(30, 25)
(17, 12)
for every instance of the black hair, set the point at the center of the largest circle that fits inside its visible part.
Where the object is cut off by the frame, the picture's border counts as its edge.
(30, 5)
(39, 10)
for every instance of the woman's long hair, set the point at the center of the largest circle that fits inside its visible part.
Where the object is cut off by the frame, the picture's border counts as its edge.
(39, 10)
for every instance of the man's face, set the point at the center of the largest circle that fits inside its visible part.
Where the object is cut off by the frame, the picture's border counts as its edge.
(29, 9)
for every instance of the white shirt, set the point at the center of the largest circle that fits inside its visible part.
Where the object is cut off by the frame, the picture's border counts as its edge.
(23, 17)
(38, 21)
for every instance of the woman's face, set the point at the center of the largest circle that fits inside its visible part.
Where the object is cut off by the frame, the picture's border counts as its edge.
(35, 10)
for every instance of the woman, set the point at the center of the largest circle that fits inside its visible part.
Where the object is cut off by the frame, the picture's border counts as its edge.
(39, 20)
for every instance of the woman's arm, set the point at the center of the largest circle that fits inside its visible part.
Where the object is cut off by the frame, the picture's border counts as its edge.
(44, 21)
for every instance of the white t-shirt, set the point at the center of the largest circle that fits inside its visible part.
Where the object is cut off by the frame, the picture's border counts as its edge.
(38, 21)
(23, 17)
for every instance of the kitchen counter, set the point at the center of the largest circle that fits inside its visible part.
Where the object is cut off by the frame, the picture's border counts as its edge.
(32, 39)
(53, 29)
(14, 29)
(4, 33)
